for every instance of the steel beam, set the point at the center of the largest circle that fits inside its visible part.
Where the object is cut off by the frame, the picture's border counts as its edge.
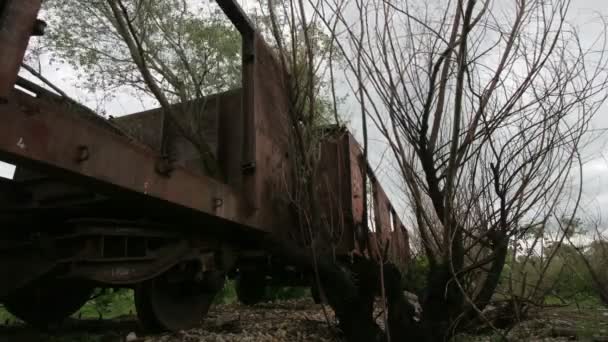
(237, 16)
(17, 21)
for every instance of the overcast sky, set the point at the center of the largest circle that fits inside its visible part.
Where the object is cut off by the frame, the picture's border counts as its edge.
(584, 15)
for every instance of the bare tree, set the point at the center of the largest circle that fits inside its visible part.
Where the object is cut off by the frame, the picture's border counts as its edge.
(307, 54)
(484, 106)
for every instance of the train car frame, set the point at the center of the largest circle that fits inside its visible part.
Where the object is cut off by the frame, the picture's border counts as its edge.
(89, 207)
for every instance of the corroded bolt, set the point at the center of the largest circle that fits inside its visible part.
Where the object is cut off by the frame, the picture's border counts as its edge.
(82, 153)
(164, 166)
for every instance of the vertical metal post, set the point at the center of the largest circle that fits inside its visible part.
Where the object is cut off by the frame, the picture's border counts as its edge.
(17, 23)
(248, 35)
(248, 159)
(248, 75)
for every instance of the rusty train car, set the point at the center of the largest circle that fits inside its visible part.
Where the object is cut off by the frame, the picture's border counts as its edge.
(88, 208)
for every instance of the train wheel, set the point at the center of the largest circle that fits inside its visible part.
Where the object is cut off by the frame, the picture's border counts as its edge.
(47, 303)
(250, 287)
(162, 305)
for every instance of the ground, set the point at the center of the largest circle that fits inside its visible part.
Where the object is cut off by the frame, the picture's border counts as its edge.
(293, 321)
(287, 320)
(567, 323)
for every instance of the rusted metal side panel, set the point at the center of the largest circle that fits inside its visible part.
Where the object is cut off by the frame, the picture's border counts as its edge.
(17, 20)
(391, 235)
(270, 183)
(38, 133)
(340, 194)
(400, 246)
(356, 179)
(381, 216)
(230, 138)
(42, 134)
(249, 131)
(145, 127)
(333, 190)
(392, 232)
(201, 116)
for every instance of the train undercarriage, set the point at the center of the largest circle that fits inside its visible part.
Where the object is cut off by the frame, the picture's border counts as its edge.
(61, 241)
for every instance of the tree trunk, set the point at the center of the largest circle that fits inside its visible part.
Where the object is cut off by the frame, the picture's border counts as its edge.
(351, 287)
(493, 276)
(441, 305)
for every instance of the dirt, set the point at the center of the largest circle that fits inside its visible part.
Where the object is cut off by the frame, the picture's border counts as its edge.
(296, 320)
(301, 320)
(555, 324)
(285, 321)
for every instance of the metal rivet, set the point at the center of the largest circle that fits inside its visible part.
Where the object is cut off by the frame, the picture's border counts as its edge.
(248, 168)
(164, 166)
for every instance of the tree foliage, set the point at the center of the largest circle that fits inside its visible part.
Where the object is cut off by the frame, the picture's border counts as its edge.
(191, 50)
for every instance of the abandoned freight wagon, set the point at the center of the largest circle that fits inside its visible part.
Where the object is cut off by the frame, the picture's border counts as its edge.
(89, 207)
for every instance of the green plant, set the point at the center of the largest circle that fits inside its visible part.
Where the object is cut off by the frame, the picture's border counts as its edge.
(108, 303)
(415, 279)
(227, 295)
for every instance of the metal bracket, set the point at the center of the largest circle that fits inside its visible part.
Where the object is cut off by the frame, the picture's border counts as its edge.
(164, 166)
(248, 168)
(39, 27)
